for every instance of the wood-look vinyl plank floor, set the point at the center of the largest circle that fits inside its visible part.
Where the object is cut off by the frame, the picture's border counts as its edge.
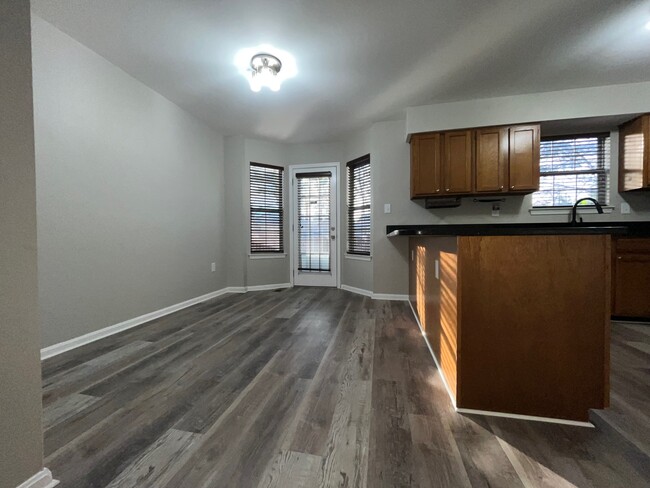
(314, 387)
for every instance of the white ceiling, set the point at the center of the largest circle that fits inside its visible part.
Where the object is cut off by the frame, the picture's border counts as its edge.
(359, 61)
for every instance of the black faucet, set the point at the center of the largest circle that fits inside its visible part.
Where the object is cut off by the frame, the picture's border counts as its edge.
(574, 210)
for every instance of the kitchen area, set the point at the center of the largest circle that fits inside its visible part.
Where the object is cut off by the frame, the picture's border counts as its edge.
(518, 315)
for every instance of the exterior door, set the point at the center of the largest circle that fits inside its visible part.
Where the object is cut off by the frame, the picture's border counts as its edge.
(314, 226)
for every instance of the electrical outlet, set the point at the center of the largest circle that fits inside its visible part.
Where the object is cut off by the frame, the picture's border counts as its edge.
(496, 210)
(625, 208)
(213, 267)
(386, 208)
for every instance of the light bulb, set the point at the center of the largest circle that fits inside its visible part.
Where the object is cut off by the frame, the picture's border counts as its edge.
(255, 83)
(274, 84)
(266, 76)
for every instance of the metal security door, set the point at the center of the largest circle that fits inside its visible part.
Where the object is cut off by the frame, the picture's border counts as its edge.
(314, 226)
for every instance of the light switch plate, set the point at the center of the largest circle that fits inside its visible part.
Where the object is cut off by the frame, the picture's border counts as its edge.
(387, 208)
(496, 210)
(625, 208)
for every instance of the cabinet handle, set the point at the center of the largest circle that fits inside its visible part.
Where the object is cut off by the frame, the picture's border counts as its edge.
(447, 189)
(512, 187)
(437, 190)
(501, 187)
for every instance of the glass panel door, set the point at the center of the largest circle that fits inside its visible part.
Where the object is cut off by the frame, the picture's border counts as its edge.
(314, 226)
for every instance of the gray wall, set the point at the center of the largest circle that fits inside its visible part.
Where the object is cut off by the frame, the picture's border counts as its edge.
(21, 437)
(130, 192)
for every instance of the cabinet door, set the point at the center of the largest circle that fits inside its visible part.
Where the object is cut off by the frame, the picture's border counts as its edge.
(634, 150)
(523, 168)
(425, 165)
(632, 285)
(457, 161)
(491, 160)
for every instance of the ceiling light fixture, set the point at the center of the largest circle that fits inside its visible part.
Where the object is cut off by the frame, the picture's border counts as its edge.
(265, 65)
(264, 72)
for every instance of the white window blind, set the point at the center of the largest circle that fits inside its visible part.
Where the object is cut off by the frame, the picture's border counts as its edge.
(314, 200)
(266, 208)
(359, 210)
(573, 167)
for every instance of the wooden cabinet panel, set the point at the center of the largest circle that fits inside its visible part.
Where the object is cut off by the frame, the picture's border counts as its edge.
(491, 160)
(518, 324)
(534, 324)
(631, 278)
(457, 161)
(524, 158)
(425, 165)
(634, 154)
(434, 298)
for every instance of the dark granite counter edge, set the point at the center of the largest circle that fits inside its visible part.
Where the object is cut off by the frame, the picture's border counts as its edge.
(628, 229)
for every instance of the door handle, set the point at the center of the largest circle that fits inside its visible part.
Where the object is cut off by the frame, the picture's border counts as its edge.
(333, 237)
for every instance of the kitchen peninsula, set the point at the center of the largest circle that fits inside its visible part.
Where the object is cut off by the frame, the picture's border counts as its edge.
(517, 315)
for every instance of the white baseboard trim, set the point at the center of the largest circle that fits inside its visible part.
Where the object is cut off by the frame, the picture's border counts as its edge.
(358, 291)
(487, 412)
(549, 420)
(236, 289)
(390, 296)
(42, 479)
(68, 345)
(435, 359)
(276, 286)
(374, 296)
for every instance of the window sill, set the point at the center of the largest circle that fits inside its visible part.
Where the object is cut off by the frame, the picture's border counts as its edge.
(279, 255)
(608, 209)
(358, 257)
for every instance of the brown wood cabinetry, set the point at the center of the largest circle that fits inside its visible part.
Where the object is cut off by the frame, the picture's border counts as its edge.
(524, 158)
(425, 165)
(491, 160)
(519, 324)
(481, 161)
(457, 161)
(631, 278)
(634, 155)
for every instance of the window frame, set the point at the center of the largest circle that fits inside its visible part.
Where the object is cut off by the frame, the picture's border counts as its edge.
(261, 253)
(606, 171)
(351, 166)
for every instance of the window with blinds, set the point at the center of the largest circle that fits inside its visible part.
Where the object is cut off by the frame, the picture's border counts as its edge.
(266, 208)
(358, 172)
(573, 167)
(314, 200)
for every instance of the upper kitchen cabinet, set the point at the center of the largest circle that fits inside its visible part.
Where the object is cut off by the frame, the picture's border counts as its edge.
(492, 160)
(524, 158)
(425, 165)
(457, 161)
(634, 155)
(480, 161)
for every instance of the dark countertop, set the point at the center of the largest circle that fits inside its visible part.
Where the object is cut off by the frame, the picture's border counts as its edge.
(629, 229)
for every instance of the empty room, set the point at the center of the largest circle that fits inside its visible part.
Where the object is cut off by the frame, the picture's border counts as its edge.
(295, 244)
